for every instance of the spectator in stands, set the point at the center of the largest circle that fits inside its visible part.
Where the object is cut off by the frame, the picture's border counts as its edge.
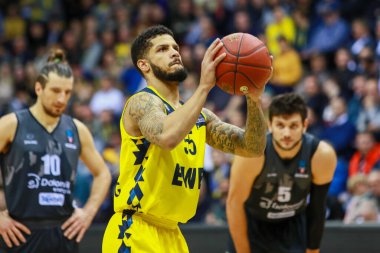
(340, 131)
(369, 115)
(281, 25)
(242, 23)
(319, 67)
(6, 84)
(14, 24)
(107, 98)
(361, 207)
(361, 36)
(374, 184)
(344, 71)
(91, 49)
(331, 34)
(312, 92)
(377, 37)
(367, 155)
(302, 25)
(287, 68)
(357, 85)
(366, 62)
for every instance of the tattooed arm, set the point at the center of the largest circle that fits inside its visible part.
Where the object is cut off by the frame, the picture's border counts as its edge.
(232, 139)
(145, 115)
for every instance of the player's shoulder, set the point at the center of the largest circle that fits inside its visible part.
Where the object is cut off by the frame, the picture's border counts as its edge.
(143, 97)
(9, 121)
(8, 127)
(325, 148)
(325, 156)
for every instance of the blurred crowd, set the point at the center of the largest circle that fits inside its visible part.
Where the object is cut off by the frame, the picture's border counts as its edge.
(326, 50)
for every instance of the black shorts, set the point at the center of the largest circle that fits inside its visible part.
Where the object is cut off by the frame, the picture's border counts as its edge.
(287, 236)
(43, 240)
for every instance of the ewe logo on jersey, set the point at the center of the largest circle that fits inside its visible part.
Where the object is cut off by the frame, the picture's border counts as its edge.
(187, 176)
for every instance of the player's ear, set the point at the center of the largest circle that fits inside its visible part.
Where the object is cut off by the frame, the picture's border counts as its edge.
(38, 88)
(143, 65)
(305, 125)
(269, 122)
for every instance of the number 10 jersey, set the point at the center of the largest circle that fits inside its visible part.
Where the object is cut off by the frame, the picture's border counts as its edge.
(39, 169)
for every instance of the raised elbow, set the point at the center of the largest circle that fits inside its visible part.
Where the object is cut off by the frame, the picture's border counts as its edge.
(169, 142)
(251, 152)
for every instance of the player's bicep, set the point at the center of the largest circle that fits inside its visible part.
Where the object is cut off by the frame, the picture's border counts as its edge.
(323, 163)
(148, 113)
(223, 136)
(243, 173)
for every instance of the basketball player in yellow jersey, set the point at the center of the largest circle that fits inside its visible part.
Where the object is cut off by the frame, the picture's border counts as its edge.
(163, 144)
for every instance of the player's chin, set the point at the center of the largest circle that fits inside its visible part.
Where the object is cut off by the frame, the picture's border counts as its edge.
(177, 67)
(287, 145)
(57, 112)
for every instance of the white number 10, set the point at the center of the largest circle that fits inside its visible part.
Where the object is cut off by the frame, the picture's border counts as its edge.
(52, 165)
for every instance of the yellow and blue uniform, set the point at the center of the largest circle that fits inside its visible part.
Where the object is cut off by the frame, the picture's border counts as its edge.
(156, 189)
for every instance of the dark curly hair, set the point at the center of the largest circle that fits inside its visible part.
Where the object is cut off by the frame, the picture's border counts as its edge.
(287, 104)
(142, 43)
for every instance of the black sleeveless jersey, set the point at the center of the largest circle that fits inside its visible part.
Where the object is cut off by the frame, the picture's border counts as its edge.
(39, 169)
(281, 189)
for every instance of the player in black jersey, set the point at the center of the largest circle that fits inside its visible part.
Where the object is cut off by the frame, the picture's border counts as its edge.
(40, 148)
(268, 207)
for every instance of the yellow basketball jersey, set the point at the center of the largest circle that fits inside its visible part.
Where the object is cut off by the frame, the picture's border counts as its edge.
(161, 183)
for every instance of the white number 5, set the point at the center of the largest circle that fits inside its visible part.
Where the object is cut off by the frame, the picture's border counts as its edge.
(283, 194)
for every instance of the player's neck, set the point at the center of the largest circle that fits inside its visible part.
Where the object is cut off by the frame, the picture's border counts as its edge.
(169, 90)
(287, 154)
(46, 120)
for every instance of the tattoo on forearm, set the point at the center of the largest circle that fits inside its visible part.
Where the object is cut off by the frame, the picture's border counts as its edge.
(147, 111)
(255, 128)
(232, 139)
(222, 136)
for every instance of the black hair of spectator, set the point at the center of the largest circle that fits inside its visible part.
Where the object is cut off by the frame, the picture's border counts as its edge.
(142, 43)
(287, 104)
(57, 64)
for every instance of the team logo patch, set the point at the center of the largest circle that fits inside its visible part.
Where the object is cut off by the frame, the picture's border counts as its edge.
(301, 167)
(70, 136)
(29, 139)
(70, 140)
(301, 170)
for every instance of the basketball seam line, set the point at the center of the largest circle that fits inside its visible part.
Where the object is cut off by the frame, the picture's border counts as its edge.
(254, 50)
(248, 65)
(237, 61)
(248, 53)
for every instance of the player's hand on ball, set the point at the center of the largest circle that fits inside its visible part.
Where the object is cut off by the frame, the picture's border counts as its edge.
(209, 64)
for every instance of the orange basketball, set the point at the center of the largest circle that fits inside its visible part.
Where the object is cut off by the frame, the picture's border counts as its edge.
(247, 65)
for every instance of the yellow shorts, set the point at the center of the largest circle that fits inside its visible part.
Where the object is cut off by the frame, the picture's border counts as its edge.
(138, 234)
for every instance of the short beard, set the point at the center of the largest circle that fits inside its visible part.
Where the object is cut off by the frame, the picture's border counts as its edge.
(177, 76)
(51, 113)
(278, 144)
